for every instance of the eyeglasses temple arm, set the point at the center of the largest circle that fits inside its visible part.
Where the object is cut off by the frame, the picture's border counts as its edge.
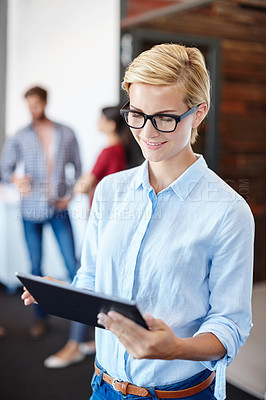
(189, 112)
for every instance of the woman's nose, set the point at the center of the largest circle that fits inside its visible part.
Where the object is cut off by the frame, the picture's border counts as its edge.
(149, 130)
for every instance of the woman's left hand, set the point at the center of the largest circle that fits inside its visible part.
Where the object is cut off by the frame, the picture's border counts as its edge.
(159, 342)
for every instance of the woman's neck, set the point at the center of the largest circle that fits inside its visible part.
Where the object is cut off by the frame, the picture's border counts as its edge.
(113, 139)
(163, 173)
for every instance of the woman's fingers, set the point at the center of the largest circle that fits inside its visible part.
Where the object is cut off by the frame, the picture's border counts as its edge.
(27, 297)
(157, 342)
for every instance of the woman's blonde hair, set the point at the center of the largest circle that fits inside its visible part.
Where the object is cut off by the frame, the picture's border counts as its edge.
(167, 64)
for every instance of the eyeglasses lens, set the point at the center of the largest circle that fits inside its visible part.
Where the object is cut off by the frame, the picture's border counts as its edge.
(162, 123)
(165, 123)
(135, 120)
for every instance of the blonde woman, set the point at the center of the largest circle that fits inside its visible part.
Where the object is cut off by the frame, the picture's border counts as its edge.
(173, 236)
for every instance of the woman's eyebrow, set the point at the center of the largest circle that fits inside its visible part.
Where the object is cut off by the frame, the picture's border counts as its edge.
(135, 108)
(158, 112)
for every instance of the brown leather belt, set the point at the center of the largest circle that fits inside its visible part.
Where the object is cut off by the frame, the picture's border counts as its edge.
(127, 388)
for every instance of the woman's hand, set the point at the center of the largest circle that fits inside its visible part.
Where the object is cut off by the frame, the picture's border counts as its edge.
(28, 298)
(159, 342)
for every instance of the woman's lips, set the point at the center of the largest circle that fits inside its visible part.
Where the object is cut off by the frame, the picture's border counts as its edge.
(153, 145)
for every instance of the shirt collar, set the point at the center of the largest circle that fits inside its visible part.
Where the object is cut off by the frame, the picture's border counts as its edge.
(142, 176)
(183, 185)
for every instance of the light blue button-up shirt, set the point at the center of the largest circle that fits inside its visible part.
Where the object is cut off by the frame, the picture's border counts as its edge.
(185, 255)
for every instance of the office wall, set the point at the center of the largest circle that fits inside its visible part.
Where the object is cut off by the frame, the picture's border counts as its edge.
(3, 29)
(72, 48)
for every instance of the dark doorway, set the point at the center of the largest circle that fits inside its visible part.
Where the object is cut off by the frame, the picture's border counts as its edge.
(138, 40)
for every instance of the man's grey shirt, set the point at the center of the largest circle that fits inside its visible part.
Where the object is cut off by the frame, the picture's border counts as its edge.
(25, 147)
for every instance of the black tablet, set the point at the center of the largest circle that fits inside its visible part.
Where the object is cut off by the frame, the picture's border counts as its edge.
(79, 305)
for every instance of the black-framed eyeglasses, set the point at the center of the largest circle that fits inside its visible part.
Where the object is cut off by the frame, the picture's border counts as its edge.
(166, 123)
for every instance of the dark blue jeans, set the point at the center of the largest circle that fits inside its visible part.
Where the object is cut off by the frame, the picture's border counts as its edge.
(62, 229)
(104, 391)
(80, 332)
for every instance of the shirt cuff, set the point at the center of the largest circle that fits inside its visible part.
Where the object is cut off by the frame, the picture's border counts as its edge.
(220, 379)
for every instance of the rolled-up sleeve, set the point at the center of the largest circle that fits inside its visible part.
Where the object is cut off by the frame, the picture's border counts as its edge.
(230, 286)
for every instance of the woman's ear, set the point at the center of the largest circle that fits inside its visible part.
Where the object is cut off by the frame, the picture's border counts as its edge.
(200, 115)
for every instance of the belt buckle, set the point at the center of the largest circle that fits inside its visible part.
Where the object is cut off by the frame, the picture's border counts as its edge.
(114, 382)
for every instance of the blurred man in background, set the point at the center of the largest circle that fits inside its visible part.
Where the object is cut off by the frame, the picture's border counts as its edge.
(43, 150)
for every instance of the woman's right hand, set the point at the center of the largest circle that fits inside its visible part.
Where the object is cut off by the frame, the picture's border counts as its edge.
(28, 298)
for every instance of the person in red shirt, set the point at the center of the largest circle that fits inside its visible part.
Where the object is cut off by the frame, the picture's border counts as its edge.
(112, 159)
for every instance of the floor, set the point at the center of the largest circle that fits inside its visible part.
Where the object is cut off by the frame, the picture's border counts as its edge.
(22, 375)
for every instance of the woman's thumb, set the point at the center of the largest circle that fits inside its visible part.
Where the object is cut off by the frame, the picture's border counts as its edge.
(153, 323)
